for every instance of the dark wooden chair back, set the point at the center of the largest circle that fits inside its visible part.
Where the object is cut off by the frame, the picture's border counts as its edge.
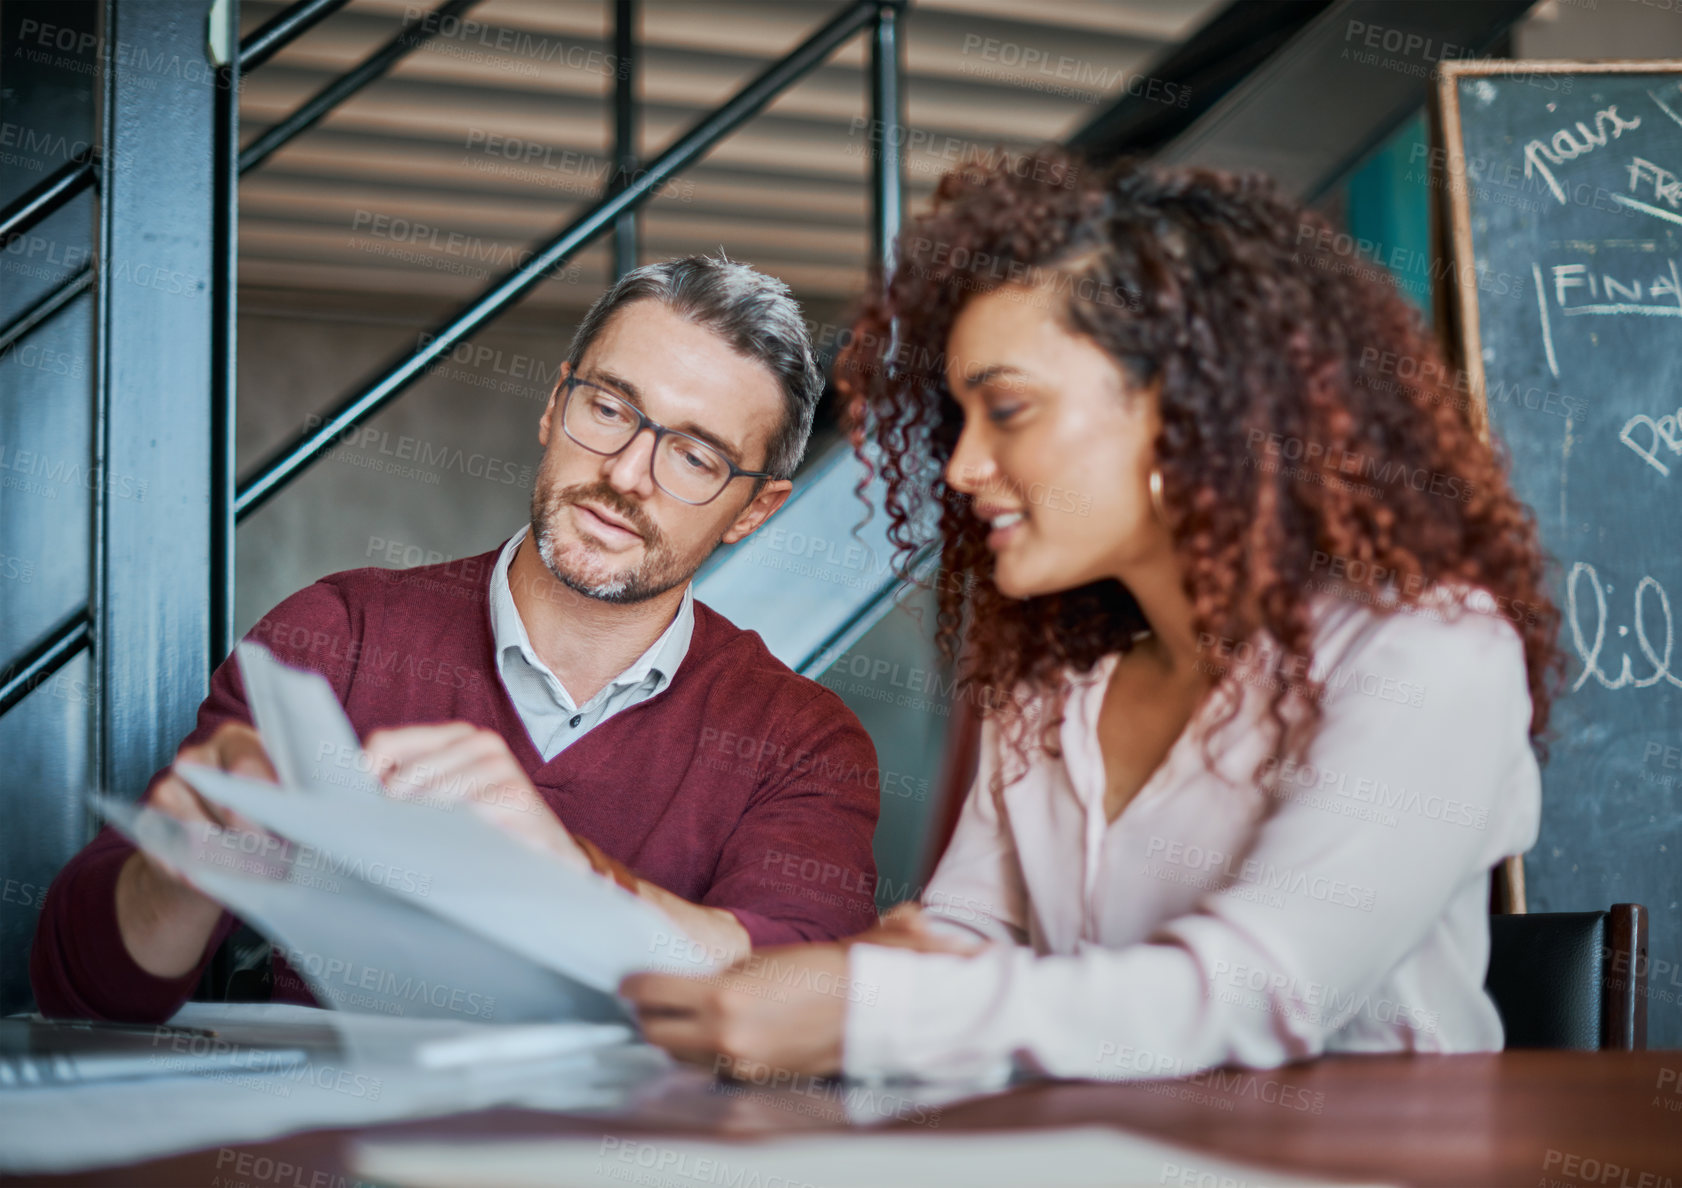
(1571, 979)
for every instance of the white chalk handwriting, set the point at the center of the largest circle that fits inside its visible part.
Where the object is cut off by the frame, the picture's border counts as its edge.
(1647, 590)
(1657, 296)
(1667, 187)
(1565, 145)
(1665, 431)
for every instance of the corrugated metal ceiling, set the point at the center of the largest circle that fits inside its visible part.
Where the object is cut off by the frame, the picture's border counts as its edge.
(498, 132)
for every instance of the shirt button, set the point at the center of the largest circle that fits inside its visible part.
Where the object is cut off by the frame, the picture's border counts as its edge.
(577, 718)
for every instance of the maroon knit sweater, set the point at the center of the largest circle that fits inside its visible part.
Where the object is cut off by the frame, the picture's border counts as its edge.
(740, 785)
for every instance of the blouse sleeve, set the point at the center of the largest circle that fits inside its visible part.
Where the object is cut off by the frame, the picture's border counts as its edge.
(1247, 978)
(978, 882)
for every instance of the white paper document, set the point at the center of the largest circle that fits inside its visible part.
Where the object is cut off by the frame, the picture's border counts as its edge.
(417, 908)
(304, 730)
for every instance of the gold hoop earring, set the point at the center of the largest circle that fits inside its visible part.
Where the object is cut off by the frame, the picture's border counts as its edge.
(1157, 503)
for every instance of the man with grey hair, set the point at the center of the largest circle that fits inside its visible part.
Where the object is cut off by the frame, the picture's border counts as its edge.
(566, 684)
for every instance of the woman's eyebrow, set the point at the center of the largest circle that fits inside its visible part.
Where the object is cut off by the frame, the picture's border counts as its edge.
(990, 373)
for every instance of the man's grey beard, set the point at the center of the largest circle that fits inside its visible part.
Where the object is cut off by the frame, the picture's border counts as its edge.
(659, 571)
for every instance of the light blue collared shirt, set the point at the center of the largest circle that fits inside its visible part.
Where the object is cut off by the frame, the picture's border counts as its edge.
(547, 709)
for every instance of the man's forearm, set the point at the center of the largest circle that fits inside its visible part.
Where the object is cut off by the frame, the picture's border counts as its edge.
(715, 928)
(165, 927)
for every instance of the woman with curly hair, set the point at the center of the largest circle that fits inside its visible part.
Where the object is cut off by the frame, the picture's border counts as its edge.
(1256, 625)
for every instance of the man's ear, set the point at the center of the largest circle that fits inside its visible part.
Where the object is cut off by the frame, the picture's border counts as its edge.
(771, 496)
(546, 423)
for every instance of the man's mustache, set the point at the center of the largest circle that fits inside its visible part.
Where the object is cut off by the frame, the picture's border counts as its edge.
(612, 501)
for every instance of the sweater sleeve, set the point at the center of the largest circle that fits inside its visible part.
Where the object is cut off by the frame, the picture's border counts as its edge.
(1241, 980)
(799, 865)
(78, 965)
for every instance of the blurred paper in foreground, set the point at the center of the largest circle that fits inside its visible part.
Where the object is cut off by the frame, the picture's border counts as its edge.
(1083, 1157)
(415, 908)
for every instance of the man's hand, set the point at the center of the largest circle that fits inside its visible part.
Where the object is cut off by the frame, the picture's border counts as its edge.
(785, 1008)
(165, 922)
(460, 761)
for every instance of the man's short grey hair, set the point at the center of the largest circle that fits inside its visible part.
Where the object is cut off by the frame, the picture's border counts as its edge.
(756, 314)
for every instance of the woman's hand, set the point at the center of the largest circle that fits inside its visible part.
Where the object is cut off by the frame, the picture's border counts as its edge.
(782, 1008)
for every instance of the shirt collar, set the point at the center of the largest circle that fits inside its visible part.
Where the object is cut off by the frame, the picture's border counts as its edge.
(508, 631)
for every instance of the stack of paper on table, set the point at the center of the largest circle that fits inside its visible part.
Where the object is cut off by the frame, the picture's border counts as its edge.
(401, 907)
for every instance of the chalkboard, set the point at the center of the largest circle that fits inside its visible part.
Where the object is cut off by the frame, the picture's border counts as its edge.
(1563, 201)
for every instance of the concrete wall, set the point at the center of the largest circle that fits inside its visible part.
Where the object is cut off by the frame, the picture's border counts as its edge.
(1583, 30)
(444, 471)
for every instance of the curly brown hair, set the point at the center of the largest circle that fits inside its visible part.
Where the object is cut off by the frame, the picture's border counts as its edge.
(1261, 334)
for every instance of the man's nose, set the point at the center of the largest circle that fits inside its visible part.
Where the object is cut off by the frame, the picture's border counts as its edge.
(631, 469)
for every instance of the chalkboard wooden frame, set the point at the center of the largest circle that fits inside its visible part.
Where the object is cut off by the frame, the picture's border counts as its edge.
(1507, 887)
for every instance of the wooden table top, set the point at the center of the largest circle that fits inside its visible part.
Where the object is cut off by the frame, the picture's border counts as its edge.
(1548, 1119)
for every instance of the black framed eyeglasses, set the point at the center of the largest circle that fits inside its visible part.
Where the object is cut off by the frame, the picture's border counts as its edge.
(683, 466)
